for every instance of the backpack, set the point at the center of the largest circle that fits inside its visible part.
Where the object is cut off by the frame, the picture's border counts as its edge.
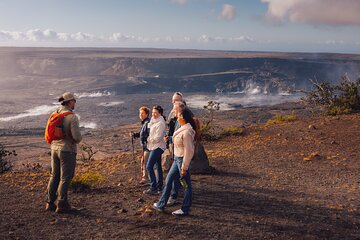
(197, 130)
(55, 127)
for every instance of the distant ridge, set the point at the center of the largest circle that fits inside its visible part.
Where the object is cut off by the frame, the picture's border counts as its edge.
(175, 53)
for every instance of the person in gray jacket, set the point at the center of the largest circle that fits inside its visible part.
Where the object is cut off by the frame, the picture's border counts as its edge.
(63, 158)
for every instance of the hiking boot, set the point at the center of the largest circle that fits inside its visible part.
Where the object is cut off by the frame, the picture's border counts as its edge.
(179, 213)
(63, 207)
(50, 207)
(171, 202)
(157, 208)
(150, 192)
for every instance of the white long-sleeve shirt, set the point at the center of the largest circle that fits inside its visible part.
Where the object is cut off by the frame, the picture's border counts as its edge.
(157, 133)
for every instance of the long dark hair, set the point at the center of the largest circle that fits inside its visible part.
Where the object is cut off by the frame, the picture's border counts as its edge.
(188, 117)
(160, 110)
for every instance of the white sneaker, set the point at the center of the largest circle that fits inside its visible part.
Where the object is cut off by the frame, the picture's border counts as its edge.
(171, 202)
(156, 207)
(179, 213)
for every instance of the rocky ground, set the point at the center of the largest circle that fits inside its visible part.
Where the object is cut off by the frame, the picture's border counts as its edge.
(290, 180)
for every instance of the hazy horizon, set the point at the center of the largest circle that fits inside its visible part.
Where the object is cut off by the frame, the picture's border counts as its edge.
(175, 49)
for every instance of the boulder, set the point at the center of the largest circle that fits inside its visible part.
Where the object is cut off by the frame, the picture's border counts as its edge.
(200, 162)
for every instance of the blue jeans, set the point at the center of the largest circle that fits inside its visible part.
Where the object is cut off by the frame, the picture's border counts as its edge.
(174, 174)
(175, 188)
(155, 158)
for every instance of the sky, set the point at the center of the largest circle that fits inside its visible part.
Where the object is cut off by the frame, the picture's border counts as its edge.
(237, 25)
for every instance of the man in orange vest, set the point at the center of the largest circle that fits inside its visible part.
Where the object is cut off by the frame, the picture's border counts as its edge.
(63, 157)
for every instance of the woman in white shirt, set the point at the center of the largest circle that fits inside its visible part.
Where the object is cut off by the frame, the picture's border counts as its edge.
(156, 145)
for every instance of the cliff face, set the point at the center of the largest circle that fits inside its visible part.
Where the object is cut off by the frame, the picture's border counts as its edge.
(111, 70)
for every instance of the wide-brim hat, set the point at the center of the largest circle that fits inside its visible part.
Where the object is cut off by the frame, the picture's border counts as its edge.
(67, 97)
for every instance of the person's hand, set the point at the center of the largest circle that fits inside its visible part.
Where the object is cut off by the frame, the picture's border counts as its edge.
(131, 134)
(166, 138)
(183, 172)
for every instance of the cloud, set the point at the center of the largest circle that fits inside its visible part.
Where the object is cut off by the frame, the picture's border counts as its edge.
(8, 36)
(326, 12)
(119, 37)
(48, 37)
(333, 42)
(169, 39)
(207, 39)
(5, 36)
(228, 12)
(243, 39)
(80, 36)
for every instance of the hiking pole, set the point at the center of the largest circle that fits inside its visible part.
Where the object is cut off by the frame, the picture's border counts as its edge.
(133, 148)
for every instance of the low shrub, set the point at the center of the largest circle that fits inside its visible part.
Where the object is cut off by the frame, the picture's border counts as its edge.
(32, 167)
(86, 181)
(87, 152)
(233, 131)
(210, 136)
(5, 163)
(281, 119)
(337, 99)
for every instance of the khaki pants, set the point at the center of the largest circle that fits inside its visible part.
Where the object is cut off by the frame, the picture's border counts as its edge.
(144, 160)
(62, 171)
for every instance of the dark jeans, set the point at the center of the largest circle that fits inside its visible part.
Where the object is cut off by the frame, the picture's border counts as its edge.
(174, 174)
(62, 171)
(155, 158)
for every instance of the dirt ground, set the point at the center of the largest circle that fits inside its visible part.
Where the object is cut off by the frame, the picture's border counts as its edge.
(294, 180)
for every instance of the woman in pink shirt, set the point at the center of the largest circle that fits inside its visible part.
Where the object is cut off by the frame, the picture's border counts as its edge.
(183, 141)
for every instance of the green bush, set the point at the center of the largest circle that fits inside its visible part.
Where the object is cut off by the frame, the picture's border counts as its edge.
(337, 99)
(233, 131)
(338, 110)
(281, 119)
(86, 181)
(204, 128)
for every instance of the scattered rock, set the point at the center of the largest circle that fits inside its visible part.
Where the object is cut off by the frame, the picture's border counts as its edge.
(311, 126)
(312, 156)
(122, 210)
(54, 222)
(140, 200)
